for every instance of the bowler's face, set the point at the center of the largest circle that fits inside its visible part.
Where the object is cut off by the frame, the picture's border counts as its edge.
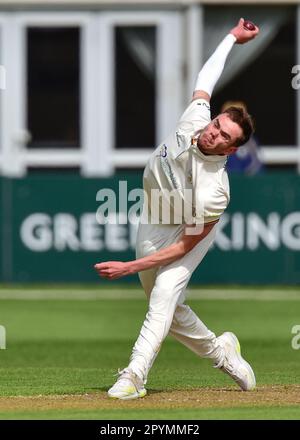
(220, 136)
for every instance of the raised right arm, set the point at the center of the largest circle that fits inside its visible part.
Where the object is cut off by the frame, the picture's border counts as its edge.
(213, 68)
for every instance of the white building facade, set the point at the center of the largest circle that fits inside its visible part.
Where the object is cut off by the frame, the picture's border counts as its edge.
(96, 85)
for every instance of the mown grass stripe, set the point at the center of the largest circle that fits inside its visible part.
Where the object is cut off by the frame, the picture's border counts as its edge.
(136, 293)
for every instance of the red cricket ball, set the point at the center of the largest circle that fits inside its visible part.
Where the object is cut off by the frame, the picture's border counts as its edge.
(249, 26)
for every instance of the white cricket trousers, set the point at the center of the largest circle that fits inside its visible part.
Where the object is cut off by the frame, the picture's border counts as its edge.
(165, 289)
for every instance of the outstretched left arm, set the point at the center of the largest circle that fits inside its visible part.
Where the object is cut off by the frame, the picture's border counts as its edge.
(117, 269)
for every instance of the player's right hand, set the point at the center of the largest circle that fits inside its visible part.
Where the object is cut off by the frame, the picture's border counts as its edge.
(243, 35)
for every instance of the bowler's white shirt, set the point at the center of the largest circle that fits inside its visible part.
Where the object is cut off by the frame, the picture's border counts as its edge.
(177, 164)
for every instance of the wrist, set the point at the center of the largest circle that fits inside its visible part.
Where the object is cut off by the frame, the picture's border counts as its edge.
(131, 267)
(232, 37)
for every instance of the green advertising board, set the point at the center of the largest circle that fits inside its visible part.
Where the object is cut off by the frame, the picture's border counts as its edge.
(50, 231)
(1, 232)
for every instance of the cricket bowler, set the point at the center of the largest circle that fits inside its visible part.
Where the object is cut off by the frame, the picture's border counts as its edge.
(193, 157)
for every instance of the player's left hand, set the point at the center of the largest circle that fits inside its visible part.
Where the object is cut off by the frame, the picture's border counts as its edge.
(112, 269)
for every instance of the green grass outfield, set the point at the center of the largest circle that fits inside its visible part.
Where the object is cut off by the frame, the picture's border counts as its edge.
(69, 341)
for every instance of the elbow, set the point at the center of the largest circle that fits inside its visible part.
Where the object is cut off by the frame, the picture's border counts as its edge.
(186, 248)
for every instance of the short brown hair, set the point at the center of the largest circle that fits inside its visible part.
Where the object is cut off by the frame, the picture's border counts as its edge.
(240, 116)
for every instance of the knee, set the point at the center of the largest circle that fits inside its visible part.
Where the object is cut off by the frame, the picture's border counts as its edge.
(163, 300)
(181, 313)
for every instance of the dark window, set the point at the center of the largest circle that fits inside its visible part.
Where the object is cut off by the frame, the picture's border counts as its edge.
(135, 66)
(53, 87)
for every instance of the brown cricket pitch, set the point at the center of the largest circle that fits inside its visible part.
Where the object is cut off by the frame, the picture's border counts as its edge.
(278, 395)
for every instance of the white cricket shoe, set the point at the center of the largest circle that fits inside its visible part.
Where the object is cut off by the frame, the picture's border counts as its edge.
(234, 365)
(128, 386)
